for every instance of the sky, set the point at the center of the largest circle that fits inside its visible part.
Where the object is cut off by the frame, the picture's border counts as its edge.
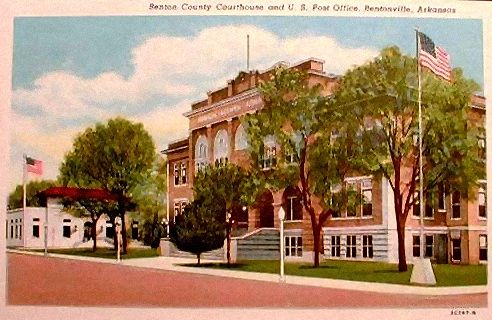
(72, 72)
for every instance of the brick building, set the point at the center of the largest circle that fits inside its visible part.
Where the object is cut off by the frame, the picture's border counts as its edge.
(455, 228)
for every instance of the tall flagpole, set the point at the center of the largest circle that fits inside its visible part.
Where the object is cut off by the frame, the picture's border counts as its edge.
(422, 270)
(247, 53)
(421, 171)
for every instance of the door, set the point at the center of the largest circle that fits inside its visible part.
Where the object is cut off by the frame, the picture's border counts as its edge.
(441, 248)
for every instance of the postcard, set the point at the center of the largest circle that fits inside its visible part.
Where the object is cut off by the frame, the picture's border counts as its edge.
(244, 159)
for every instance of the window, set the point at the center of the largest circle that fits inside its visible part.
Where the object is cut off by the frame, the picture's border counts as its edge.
(366, 197)
(7, 229)
(335, 246)
(183, 172)
(292, 204)
(176, 174)
(240, 140)
(351, 248)
(335, 200)
(367, 248)
(35, 227)
(429, 245)
(269, 153)
(455, 204)
(351, 204)
(441, 197)
(179, 207)
(201, 153)
(66, 228)
(429, 205)
(11, 230)
(481, 147)
(20, 229)
(456, 246)
(221, 147)
(290, 151)
(483, 247)
(482, 201)
(16, 229)
(293, 246)
(416, 204)
(180, 173)
(416, 246)
(359, 197)
(109, 229)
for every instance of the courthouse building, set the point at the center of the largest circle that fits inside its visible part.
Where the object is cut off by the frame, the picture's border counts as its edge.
(455, 228)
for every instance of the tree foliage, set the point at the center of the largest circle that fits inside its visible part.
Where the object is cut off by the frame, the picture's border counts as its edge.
(200, 228)
(381, 98)
(301, 123)
(151, 203)
(115, 156)
(32, 189)
(225, 185)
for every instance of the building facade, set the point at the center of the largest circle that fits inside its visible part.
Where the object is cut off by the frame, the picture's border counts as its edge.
(26, 229)
(454, 228)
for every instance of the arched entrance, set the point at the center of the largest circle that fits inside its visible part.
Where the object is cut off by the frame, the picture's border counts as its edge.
(265, 208)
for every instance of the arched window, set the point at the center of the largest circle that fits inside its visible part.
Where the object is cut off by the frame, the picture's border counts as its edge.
(241, 140)
(201, 153)
(221, 147)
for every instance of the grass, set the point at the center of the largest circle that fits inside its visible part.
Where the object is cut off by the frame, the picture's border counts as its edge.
(460, 275)
(446, 275)
(132, 253)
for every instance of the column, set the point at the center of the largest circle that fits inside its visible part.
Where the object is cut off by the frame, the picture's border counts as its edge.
(210, 142)
(230, 137)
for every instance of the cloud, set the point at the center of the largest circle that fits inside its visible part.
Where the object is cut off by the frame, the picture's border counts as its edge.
(166, 123)
(166, 69)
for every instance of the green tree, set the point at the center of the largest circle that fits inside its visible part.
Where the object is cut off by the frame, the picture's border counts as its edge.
(309, 159)
(151, 205)
(115, 156)
(200, 228)
(228, 185)
(32, 189)
(382, 98)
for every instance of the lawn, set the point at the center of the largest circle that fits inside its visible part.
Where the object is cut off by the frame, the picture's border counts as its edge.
(446, 275)
(107, 253)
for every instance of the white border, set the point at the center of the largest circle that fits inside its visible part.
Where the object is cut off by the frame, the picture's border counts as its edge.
(15, 8)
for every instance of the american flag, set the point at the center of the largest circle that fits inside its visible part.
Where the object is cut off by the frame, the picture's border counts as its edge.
(436, 59)
(34, 166)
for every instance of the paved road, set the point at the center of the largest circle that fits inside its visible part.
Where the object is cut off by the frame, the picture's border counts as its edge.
(36, 280)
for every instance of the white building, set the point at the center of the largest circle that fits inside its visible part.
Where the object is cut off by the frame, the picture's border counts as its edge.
(27, 229)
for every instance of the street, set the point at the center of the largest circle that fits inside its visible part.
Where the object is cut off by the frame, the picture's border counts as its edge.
(36, 280)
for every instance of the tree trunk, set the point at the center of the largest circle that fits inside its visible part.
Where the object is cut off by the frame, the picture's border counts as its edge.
(94, 235)
(198, 257)
(402, 260)
(123, 232)
(316, 235)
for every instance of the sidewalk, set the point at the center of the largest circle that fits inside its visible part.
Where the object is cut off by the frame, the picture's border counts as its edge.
(176, 264)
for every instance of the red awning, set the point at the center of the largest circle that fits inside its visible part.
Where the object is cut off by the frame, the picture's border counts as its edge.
(79, 193)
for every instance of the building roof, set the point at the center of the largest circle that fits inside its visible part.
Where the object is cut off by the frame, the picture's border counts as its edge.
(177, 145)
(79, 193)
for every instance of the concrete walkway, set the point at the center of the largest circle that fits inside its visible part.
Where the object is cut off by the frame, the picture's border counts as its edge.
(176, 264)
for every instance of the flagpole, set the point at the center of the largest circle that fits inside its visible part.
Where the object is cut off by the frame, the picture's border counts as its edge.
(247, 53)
(422, 270)
(421, 172)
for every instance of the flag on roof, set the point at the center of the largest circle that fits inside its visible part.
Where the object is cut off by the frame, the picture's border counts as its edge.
(435, 58)
(34, 166)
